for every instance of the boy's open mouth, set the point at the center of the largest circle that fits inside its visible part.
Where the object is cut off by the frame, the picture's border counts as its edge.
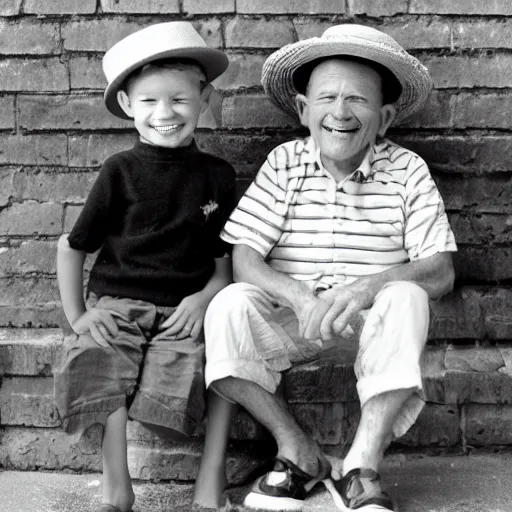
(167, 128)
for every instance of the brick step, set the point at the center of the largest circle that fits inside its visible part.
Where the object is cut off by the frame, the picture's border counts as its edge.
(468, 391)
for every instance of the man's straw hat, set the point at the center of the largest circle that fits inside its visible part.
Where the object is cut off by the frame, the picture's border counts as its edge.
(173, 39)
(352, 40)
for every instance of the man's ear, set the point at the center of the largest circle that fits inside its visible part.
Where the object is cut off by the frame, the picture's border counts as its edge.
(301, 102)
(124, 102)
(205, 97)
(387, 116)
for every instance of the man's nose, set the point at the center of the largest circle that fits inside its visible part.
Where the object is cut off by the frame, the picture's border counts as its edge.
(341, 109)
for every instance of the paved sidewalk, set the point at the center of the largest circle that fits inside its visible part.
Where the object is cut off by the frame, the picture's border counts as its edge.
(476, 483)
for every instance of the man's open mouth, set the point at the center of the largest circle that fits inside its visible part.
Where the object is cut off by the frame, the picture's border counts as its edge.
(341, 130)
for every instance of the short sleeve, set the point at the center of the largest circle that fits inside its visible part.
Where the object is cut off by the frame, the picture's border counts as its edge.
(258, 219)
(99, 213)
(427, 230)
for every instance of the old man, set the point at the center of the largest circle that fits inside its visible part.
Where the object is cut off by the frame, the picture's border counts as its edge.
(342, 238)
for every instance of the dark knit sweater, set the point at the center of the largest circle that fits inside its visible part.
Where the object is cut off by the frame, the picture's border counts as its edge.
(156, 213)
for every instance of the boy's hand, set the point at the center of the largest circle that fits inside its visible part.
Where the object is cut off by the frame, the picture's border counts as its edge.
(98, 322)
(187, 319)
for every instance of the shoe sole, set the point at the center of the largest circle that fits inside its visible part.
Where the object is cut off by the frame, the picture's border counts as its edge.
(264, 502)
(338, 501)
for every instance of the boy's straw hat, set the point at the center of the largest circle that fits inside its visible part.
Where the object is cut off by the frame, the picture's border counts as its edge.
(352, 40)
(173, 39)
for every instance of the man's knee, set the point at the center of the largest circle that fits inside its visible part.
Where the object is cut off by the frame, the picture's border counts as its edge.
(405, 292)
(236, 297)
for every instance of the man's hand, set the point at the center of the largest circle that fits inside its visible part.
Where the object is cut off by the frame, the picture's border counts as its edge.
(337, 306)
(99, 323)
(187, 319)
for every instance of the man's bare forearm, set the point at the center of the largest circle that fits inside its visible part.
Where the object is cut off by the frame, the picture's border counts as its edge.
(249, 266)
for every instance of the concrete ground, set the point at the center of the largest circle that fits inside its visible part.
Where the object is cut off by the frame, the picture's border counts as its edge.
(475, 483)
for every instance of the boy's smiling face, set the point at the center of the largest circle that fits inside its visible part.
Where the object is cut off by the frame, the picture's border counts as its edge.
(165, 104)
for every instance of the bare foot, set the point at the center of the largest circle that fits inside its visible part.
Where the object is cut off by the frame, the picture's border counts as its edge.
(122, 499)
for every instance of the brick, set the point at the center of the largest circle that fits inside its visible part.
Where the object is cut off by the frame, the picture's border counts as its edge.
(437, 425)
(478, 154)
(311, 27)
(485, 110)
(28, 292)
(290, 7)
(10, 7)
(476, 194)
(481, 228)
(29, 352)
(432, 374)
(244, 71)
(42, 185)
(30, 218)
(66, 112)
(460, 7)
(370, 8)
(466, 72)
(476, 387)
(28, 401)
(70, 217)
(253, 111)
(328, 380)
(436, 113)
(258, 33)
(28, 37)
(323, 422)
(180, 461)
(488, 424)
(37, 316)
(30, 257)
(496, 303)
(471, 359)
(59, 7)
(483, 264)
(91, 150)
(39, 149)
(6, 184)
(24, 448)
(141, 6)
(421, 34)
(208, 7)
(37, 75)
(7, 121)
(86, 73)
(458, 315)
(211, 31)
(483, 34)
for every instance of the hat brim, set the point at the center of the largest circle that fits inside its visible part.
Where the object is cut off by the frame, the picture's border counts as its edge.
(279, 68)
(214, 63)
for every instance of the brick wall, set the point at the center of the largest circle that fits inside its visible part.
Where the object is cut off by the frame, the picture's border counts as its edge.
(55, 131)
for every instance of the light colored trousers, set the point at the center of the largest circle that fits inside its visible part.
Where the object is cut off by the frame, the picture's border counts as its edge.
(249, 336)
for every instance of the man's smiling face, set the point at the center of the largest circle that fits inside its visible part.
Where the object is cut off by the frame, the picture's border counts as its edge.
(165, 105)
(343, 110)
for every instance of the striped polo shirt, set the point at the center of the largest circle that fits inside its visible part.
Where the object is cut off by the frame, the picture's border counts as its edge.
(310, 227)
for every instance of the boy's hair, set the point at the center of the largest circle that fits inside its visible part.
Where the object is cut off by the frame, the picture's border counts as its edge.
(181, 64)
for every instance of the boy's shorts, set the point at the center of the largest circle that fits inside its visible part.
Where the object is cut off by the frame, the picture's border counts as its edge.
(159, 380)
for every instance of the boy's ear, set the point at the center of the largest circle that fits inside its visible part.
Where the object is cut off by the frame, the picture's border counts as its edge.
(205, 97)
(301, 103)
(124, 102)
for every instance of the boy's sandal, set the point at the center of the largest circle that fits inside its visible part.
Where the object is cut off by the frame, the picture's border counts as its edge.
(285, 487)
(360, 490)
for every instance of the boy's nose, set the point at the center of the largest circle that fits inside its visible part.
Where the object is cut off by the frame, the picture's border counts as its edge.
(164, 108)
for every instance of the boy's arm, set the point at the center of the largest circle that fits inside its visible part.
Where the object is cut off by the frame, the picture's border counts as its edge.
(187, 319)
(99, 323)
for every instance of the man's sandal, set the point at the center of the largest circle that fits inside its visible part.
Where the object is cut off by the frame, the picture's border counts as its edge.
(285, 487)
(105, 507)
(360, 490)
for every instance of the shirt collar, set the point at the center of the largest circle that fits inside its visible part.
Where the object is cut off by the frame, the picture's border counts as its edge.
(359, 175)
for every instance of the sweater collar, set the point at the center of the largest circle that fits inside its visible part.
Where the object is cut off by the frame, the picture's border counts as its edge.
(160, 153)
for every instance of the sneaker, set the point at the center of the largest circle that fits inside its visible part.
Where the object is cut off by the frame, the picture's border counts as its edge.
(285, 487)
(360, 490)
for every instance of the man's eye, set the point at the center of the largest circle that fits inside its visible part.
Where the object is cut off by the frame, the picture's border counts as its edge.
(358, 99)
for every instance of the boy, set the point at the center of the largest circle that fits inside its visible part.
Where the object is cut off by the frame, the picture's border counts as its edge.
(155, 213)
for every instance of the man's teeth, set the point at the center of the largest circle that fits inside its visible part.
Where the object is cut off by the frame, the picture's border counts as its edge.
(166, 129)
(339, 130)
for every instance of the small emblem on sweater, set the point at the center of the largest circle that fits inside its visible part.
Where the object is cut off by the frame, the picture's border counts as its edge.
(209, 208)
